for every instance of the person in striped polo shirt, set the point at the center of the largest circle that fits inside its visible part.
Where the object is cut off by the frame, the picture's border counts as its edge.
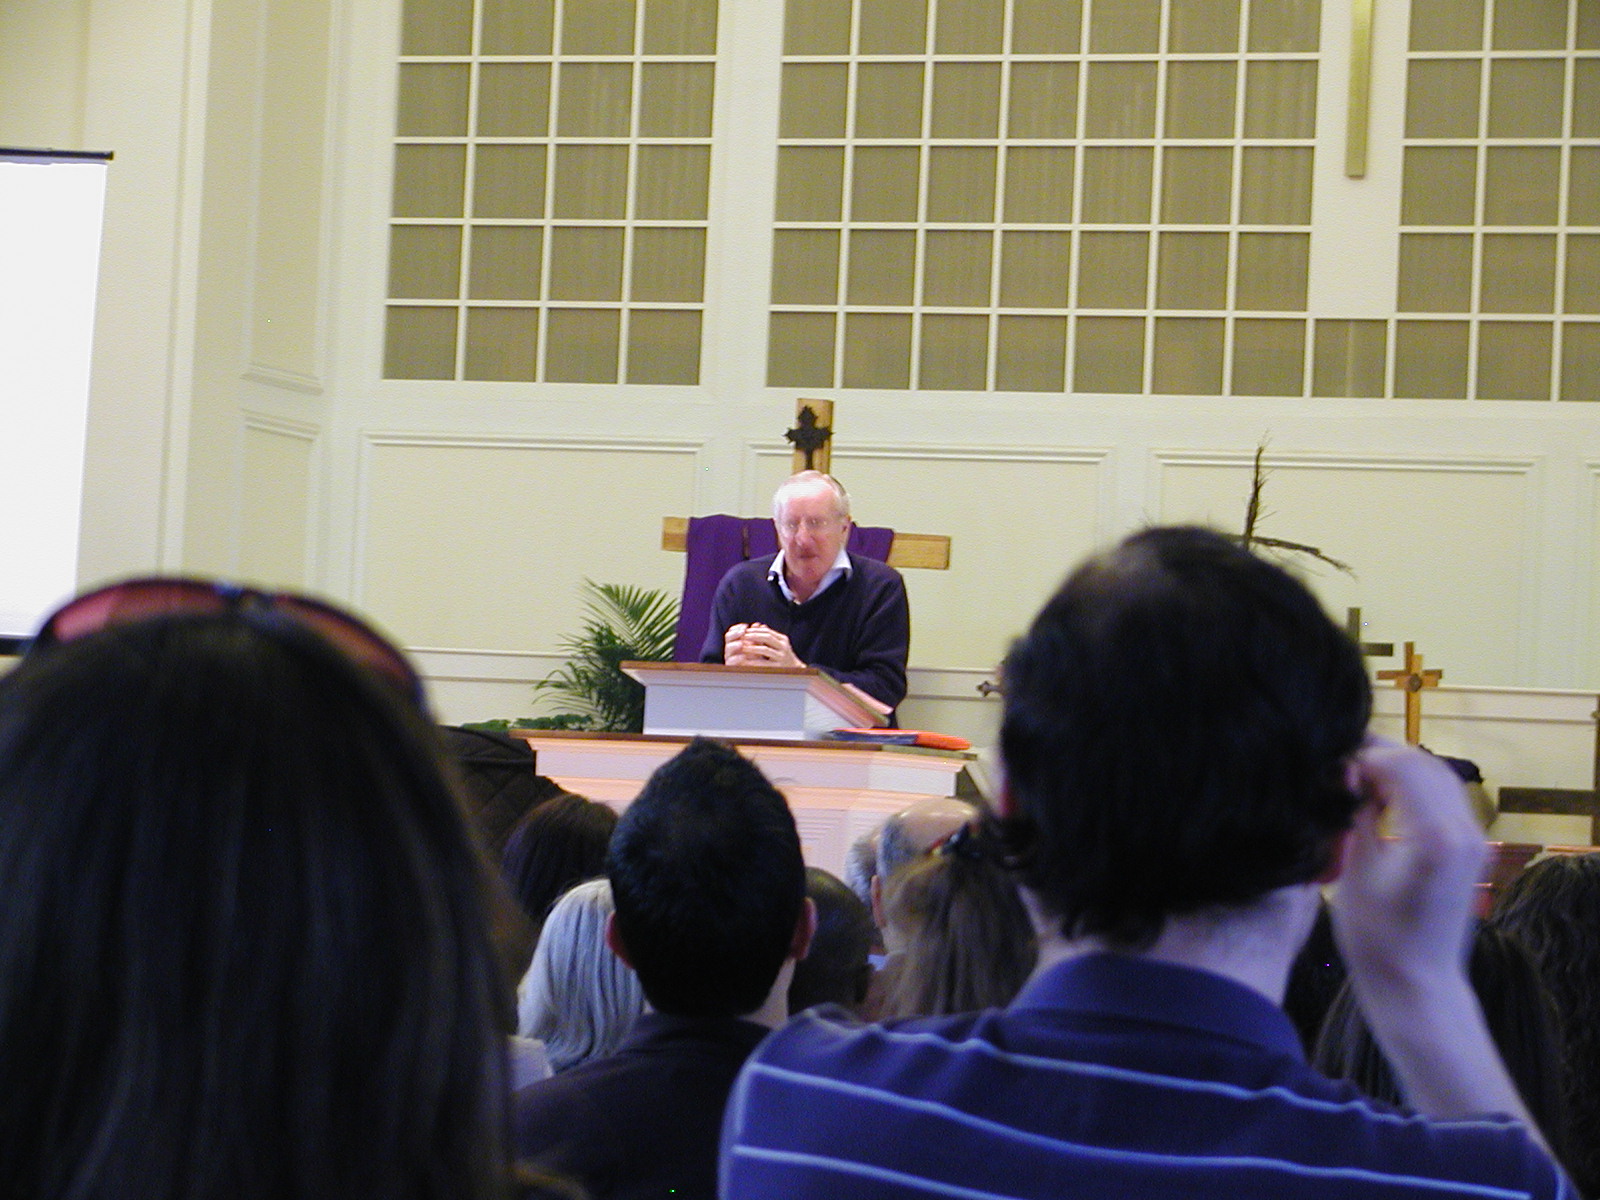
(1187, 765)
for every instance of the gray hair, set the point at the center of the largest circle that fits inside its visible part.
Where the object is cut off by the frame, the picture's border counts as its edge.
(861, 864)
(801, 479)
(910, 833)
(578, 998)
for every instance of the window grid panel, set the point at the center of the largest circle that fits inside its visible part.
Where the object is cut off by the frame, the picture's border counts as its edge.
(475, 215)
(468, 200)
(937, 157)
(919, 271)
(1517, 91)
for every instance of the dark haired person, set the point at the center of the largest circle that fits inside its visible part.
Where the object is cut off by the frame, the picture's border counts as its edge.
(711, 912)
(1553, 908)
(1186, 762)
(244, 946)
(838, 967)
(1521, 1016)
(553, 847)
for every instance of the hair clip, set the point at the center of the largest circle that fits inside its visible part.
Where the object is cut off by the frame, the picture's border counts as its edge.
(966, 843)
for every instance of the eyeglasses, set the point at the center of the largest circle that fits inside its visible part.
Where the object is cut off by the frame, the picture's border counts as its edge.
(144, 599)
(811, 524)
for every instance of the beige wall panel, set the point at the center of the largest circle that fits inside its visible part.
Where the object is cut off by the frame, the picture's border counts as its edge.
(275, 505)
(1016, 521)
(284, 321)
(1589, 556)
(212, 480)
(484, 544)
(1440, 550)
(145, 64)
(42, 52)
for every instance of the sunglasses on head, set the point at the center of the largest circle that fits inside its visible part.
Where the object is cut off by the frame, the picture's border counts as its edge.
(143, 599)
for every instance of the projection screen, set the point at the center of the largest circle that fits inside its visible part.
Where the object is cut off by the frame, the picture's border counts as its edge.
(51, 209)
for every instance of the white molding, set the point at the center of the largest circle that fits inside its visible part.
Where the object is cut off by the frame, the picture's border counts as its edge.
(1455, 464)
(316, 448)
(1497, 704)
(1551, 706)
(934, 453)
(291, 381)
(461, 441)
(264, 423)
(466, 664)
(250, 369)
(480, 664)
(183, 299)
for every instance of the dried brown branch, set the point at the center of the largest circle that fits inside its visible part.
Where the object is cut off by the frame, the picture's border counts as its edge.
(1250, 539)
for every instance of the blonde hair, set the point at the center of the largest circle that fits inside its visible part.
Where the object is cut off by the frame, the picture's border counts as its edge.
(578, 998)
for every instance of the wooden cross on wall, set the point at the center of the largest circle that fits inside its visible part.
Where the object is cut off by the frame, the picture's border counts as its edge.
(812, 436)
(1412, 679)
(1352, 626)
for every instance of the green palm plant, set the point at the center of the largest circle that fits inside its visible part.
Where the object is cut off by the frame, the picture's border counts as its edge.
(622, 624)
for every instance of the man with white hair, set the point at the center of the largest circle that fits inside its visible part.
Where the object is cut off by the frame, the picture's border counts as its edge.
(814, 603)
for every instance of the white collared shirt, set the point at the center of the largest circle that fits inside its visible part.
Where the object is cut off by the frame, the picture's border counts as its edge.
(841, 567)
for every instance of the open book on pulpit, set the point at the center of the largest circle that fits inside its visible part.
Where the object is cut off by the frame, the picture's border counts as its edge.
(783, 703)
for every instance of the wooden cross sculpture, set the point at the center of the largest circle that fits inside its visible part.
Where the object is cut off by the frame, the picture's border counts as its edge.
(812, 438)
(1352, 626)
(1412, 679)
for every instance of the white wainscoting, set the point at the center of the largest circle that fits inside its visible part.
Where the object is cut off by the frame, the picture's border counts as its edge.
(1519, 737)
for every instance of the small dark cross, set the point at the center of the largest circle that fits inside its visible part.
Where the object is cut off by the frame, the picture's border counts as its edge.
(1352, 626)
(1411, 680)
(810, 437)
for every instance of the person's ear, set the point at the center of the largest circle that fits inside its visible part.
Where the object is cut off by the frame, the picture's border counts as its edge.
(1005, 804)
(1338, 848)
(805, 929)
(614, 940)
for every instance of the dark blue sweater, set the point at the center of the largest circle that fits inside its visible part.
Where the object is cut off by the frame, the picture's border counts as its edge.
(858, 630)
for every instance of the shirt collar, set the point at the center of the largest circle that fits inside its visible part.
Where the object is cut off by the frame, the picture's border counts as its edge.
(841, 567)
(1142, 989)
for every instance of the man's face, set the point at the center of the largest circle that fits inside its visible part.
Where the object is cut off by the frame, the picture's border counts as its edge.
(811, 532)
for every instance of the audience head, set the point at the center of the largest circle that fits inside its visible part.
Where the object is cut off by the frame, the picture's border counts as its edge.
(861, 864)
(1176, 727)
(960, 929)
(1554, 908)
(1520, 1014)
(579, 998)
(243, 927)
(911, 833)
(836, 969)
(709, 883)
(558, 844)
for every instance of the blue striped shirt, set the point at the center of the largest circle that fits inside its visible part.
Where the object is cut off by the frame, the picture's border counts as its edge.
(1110, 1076)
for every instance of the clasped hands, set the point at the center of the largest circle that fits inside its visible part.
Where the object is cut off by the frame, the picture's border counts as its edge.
(757, 645)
